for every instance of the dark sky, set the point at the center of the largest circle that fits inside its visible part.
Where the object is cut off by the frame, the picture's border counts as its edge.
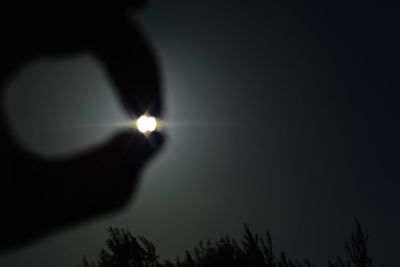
(298, 129)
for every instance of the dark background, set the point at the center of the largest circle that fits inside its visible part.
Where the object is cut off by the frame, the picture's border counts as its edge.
(291, 116)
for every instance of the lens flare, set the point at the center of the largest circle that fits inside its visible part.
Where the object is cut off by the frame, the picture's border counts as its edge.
(146, 124)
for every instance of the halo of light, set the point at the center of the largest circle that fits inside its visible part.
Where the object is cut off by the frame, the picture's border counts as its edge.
(146, 124)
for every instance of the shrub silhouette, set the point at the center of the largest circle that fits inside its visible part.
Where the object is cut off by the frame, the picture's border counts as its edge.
(126, 250)
(356, 250)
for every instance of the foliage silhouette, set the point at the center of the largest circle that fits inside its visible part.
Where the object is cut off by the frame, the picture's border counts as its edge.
(357, 251)
(126, 250)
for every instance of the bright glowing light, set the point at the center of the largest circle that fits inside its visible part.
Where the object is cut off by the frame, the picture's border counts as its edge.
(146, 124)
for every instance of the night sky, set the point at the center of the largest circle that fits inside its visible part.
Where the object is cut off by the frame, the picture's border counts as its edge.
(287, 120)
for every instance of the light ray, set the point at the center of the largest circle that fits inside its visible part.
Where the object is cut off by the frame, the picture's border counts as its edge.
(122, 124)
(160, 124)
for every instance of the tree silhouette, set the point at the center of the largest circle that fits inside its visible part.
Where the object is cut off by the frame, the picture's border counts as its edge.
(126, 250)
(356, 250)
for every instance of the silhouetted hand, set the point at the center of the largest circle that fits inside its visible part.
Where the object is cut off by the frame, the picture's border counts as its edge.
(38, 195)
